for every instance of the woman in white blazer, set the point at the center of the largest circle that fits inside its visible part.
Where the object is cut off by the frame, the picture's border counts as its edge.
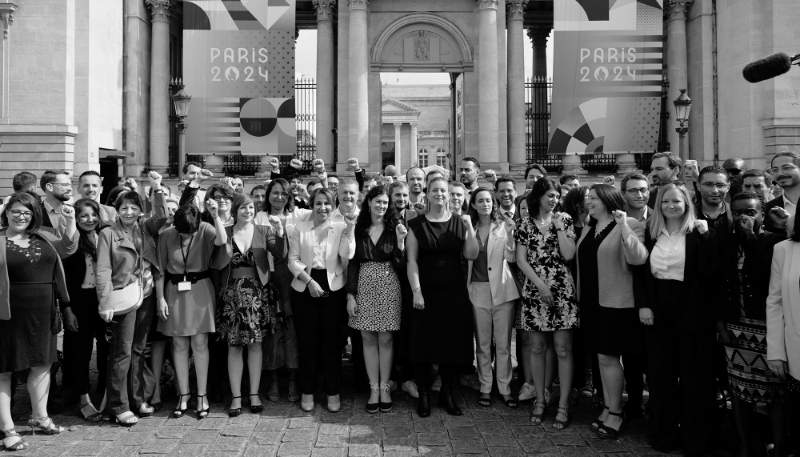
(783, 311)
(319, 251)
(492, 291)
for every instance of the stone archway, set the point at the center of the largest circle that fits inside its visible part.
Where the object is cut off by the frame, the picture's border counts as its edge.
(422, 43)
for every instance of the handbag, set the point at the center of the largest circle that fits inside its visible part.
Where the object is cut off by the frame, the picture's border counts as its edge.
(130, 297)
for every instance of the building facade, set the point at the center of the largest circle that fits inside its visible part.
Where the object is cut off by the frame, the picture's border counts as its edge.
(85, 84)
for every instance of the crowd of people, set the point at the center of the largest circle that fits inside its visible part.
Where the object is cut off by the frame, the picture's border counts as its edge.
(693, 286)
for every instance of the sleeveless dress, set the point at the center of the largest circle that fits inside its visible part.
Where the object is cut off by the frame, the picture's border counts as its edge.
(248, 312)
(375, 269)
(442, 332)
(26, 340)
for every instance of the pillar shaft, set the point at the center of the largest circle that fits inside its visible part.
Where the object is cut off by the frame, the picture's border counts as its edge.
(397, 163)
(488, 93)
(675, 11)
(538, 36)
(325, 82)
(515, 102)
(414, 151)
(359, 81)
(159, 85)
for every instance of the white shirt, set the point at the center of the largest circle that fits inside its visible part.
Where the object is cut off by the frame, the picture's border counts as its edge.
(89, 280)
(668, 259)
(336, 215)
(790, 207)
(319, 253)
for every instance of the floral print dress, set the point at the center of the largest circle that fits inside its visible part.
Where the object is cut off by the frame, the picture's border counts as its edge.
(249, 311)
(544, 256)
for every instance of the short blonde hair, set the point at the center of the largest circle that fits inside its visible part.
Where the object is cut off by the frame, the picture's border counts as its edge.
(687, 220)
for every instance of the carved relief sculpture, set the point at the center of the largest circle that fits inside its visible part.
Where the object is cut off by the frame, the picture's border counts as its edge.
(422, 47)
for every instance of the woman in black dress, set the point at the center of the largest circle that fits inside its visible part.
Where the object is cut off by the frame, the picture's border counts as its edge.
(29, 318)
(441, 324)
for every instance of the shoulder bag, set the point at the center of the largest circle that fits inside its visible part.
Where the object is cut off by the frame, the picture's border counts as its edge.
(130, 297)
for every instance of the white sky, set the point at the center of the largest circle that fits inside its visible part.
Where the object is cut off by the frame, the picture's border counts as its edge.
(306, 62)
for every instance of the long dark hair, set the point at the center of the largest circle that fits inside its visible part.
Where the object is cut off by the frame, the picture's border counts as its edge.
(473, 213)
(86, 244)
(27, 200)
(574, 201)
(267, 206)
(364, 220)
(541, 187)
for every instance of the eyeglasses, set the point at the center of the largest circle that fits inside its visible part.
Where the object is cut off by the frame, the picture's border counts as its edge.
(15, 213)
(62, 184)
(641, 190)
(280, 194)
(718, 185)
(219, 198)
(788, 168)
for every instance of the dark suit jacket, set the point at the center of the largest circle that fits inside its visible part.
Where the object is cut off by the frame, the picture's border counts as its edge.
(701, 308)
(775, 202)
(755, 274)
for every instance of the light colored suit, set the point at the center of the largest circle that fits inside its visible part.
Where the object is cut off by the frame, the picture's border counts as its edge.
(301, 254)
(493, 311)
(783, 306)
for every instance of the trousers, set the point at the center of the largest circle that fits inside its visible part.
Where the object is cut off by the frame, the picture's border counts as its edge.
(78, 345)
(492, 325)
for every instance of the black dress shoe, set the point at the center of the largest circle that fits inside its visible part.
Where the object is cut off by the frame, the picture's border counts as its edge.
(423, 404)
(446, 401)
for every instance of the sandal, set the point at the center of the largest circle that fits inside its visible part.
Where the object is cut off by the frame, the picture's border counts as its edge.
(179, 412)
(93, 417)
(17, 445)
(510, 401)
(294, 391)
(146, 410)
(201, 413)
(606, 432)
(126, 419)
(274, 392)
(537, 418)
(256, 409)
(235, 412)
(559, 424)
(45, 425)
(597, 422)
(485, 401)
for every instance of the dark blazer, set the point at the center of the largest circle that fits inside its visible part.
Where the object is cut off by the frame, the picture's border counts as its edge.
(264, 240)
(755, 274)
(775, 202)
(701, 308)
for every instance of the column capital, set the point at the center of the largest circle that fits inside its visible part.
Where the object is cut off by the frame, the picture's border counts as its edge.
(413, 125)
(159, 9)
(357, 4)
(676, 8)
(487, 4)
(539, 35)
(515, 10)
(324, 9)
(7, 16)
(398, 124)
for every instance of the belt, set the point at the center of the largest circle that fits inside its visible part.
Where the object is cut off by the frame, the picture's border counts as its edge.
(244, 272)
(193, 277)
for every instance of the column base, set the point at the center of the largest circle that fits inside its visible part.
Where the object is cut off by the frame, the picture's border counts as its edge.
(215, 164)
(626, 163)
(571, 164)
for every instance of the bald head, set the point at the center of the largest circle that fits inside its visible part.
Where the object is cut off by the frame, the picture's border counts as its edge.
(734, 166)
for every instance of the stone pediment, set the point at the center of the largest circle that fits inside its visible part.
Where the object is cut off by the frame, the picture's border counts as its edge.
(391, 105)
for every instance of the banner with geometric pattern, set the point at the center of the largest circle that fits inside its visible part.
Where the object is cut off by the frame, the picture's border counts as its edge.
(238, 66)
(607, 67)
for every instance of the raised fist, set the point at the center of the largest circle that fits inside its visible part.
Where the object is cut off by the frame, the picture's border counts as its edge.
(274, 164)
(296, 164)
(319, 165)
(352, 164)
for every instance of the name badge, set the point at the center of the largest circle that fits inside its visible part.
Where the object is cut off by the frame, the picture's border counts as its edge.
(184, 285)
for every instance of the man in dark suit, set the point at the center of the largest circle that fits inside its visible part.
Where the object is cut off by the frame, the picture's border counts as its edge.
(785, 168)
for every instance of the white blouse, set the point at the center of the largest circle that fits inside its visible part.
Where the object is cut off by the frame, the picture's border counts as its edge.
(668, 259)
(319, 254)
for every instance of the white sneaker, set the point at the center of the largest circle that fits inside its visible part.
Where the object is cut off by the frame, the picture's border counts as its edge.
(527, 392)
(437, 385)
(411, 388)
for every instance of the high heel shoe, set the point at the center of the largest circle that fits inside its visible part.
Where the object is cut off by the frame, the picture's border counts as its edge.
(17, 445)
(235, 412)
(423, 403)
(93, 417)
(446, 401)
(385, 406)
(606, 432)
(255, 409)
(126, 419)
(201, 413)
(372, 408)
(597, 422)
(179, 412)
(45, 425)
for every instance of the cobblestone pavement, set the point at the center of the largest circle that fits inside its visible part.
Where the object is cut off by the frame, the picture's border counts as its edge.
(284, 430)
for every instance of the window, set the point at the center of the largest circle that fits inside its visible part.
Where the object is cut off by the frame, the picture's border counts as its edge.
(423, 158)
(441, 157)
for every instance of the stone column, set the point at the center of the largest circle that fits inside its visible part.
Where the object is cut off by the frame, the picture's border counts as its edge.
(6, 19)
(488, 93)
(538, 36)
(359, 81)
(397, 162)
(414, 151)
(626, 163)
(326, 79)
(159, 85)
(515, 95)
(675, 14)
(215, 164)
